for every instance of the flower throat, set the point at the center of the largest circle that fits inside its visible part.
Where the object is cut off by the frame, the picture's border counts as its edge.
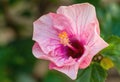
(72, 46)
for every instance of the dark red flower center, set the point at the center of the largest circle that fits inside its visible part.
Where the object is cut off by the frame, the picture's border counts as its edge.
(79, 49)
(72, 47)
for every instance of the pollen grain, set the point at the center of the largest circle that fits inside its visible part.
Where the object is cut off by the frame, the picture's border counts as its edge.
(64, 38)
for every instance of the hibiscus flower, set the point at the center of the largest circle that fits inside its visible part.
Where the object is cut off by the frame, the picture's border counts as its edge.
(69, 38)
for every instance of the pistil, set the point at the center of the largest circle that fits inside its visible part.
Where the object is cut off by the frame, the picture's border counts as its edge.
(66, 42)
(73, 48)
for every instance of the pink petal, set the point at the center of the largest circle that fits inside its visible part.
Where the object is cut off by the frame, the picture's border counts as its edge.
(38, 53)
(87, 34)
(70, 71)
(96, 44)
(46, 30)
(86, 59)
(60, 22)
(44, 34)
(61, 61)
(56, 59)
(80, 16)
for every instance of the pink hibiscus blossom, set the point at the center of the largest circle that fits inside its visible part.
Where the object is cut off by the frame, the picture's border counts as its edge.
(69, 38)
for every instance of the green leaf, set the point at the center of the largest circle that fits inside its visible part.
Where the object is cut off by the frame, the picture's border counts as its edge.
(113, 51)
(94, 73)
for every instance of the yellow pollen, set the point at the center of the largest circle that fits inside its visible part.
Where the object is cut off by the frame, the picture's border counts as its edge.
(64, 38)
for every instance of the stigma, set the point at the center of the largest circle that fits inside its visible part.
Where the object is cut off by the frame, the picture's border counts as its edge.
(64, 38)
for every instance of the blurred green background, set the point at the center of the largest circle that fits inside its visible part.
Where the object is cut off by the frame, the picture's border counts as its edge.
(17, 63)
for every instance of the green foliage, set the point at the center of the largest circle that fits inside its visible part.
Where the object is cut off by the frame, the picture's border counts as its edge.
(109, 19)
(94, 73)
(94, 2)
(16, 58)
(113, 51)
(55, 76)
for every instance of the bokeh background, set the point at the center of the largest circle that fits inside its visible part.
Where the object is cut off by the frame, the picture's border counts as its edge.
(17, 63)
